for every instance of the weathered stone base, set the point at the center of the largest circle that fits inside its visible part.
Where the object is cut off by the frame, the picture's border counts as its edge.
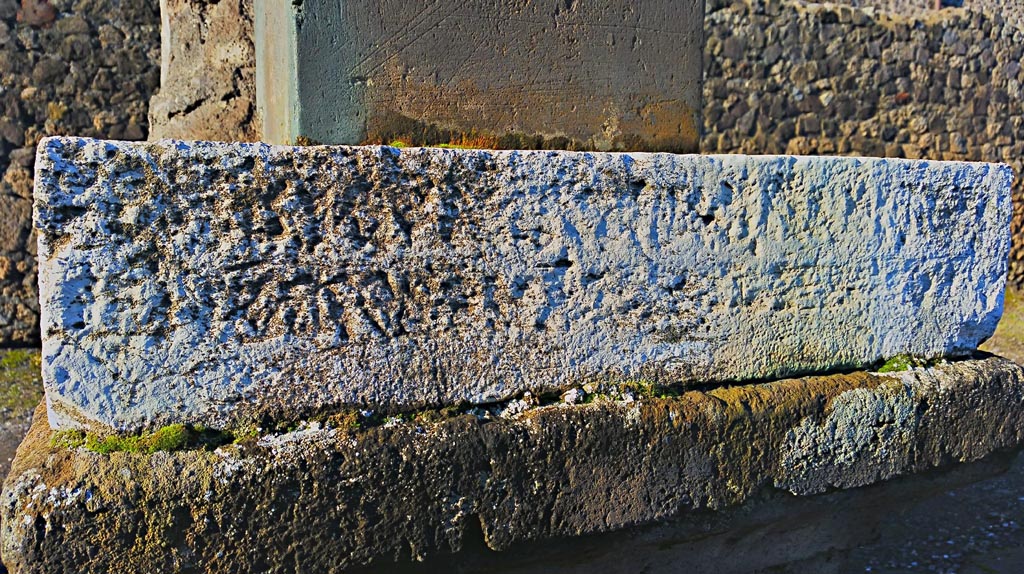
(329, 500)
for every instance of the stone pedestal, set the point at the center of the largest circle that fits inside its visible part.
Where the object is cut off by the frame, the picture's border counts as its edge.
(604, 74)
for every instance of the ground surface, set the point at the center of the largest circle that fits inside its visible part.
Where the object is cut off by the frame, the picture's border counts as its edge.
(21, 389)
(973, 528)
(20, 392)
(1008, 340)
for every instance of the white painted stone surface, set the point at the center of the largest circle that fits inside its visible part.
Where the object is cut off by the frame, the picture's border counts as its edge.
(219, 283)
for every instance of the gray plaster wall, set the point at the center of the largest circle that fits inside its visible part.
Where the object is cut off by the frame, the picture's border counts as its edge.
(605, 74)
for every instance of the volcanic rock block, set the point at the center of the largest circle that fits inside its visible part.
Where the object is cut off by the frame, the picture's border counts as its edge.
(207, 72)
(223, 284)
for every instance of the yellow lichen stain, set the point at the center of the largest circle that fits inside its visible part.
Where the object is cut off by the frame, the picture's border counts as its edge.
(55, 111)
(667, 124)
(465, 115)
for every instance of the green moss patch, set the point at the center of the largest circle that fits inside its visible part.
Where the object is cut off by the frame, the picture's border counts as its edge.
(905, 363)
(628, 390)
(18, 358)
(21, 384)
(167, 439)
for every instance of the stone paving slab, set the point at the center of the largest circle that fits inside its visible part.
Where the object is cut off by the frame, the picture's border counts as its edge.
(221, 284)
(331, 498)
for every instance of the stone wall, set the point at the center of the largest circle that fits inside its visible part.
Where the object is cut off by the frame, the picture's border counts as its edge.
(83, 67)
(789, 77)
(897, 6)
(1011, 10)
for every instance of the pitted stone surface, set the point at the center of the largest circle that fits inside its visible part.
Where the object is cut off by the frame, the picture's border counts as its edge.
(218, 283)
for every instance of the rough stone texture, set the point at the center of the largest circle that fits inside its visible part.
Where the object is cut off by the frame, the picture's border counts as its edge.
(1011, 10)
(601, 74)
(212, 283)
(326, 500)
(207, 86)
(913, 8)
(791, 77)
(87, 69)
